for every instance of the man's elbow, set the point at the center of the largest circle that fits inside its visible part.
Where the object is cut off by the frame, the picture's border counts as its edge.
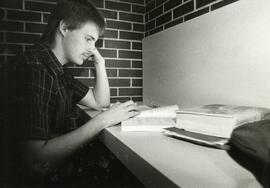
(103, 103)
(35, 162)
(106, 104)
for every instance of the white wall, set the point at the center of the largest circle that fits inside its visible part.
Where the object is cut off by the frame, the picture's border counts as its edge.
(220, 57)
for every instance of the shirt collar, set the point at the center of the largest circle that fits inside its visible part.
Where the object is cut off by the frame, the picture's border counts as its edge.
(50, 59)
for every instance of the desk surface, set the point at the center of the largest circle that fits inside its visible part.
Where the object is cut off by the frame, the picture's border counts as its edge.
(160, 161)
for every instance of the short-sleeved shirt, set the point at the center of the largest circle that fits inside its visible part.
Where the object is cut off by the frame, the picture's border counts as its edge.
(42, 96)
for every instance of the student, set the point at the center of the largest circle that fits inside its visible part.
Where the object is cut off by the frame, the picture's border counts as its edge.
(42, 96)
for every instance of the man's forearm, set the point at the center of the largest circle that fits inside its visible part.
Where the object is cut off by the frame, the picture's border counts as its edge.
(40, 153)
(102, 90)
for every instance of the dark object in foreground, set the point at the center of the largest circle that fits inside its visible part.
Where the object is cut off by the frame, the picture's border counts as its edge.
(250, 147)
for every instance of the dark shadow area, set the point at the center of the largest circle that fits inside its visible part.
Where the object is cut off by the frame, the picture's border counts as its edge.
(92, 166)
(255, 166)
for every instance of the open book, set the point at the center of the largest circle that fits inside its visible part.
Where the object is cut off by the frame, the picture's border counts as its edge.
(151, 119)
(218, 119)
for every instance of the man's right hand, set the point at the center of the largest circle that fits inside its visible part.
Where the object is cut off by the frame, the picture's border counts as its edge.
(118, 112)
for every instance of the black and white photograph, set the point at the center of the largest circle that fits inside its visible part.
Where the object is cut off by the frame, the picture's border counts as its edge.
(134, 93)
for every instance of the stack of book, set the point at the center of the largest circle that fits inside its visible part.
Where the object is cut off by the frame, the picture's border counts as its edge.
(213, 124)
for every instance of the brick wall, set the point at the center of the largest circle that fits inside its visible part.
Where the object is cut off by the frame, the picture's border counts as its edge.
(23, 21)
(162, 14)
(128, 21)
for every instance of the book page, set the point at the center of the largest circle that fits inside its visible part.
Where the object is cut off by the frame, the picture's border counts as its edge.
(164, 111)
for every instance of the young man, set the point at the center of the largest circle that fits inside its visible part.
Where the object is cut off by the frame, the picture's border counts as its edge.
(46, 125)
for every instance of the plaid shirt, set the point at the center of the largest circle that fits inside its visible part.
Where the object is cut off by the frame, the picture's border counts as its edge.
(42, 96)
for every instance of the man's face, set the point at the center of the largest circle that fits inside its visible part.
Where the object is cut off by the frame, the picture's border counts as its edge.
(78, 44)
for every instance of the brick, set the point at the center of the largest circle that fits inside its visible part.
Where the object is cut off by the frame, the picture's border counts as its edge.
(108, 53)
(147, 1)
(11, 4)
(90, 82)
(109, 14)
(79, 72)
(22, 37)
(117, 44)
(111, 72)
(131, 35)
(164, 18)
(137, 82)
(1, 36)
(53, 1)
(146, 17)
(119, 82)
(131, 17)
(174, 22)
(134, 1)
(35, 27)
(196, 14)
(130, 54)
(136, 64)
(201, 3)
(156, 30)
(2, 13)
(137, 99)
(93, 71)
(146, 34)
(23, 15)
(113, 91)
(155, 13)
(46, 17)
(117, 6)
(159, 2)
(87, 64)
(117, 63)
(6, 25)
(136, 45)
(184, 9)
(138, 27)
(150, 6)
(39, 6)
(130, 91)
(2, 62)
(118, 25)
(130, 73)
(172, 4)
(111, 33)
(98, 3)
(10, 48)
(99, 43)
(221, 4)
(138, 9)
(150, 25)
(119, 99)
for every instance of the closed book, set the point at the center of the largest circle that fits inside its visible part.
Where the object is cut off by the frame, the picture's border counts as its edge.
(219, 119)
(197, 138)
(153, 119)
